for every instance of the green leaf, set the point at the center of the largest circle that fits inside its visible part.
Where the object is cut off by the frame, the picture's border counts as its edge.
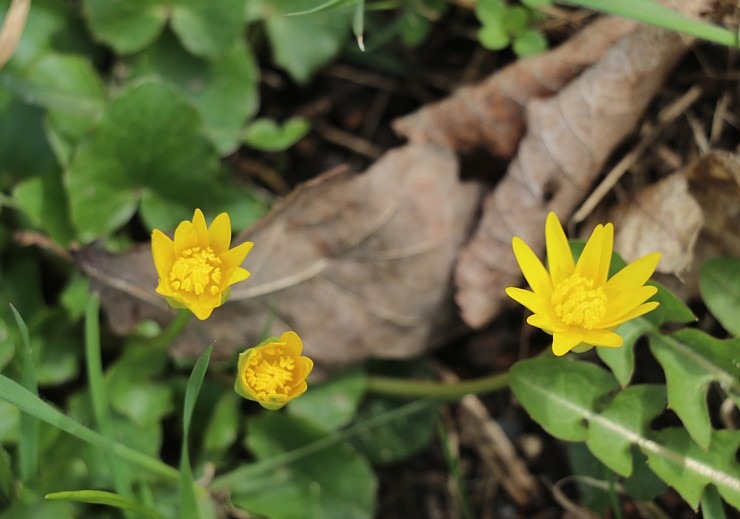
(225, 91)
(208, 29)
(333, 483)
(74, 296)
(493, 36)
(397, 440)
(643, 484)
(100, 497)
(719, 283)
(265, 134)
(223, 425)
(7, 483)
(75, 93)
(188, 499)
(691, 361)
(516, 20)
(633, 409)
(490, 11)
(332, 404)
(10, 423)
(148, 141)
(688, 468)
(529, 43)
(44, 200)
(303, 44)
(559, 393)
(126, 26)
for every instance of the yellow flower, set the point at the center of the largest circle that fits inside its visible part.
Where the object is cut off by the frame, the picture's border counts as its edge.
(575, 302)
(273, 373)
(197, 268)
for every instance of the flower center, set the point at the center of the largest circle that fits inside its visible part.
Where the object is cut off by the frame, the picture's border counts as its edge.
(578, 303)
(270, 372)
(196, 270)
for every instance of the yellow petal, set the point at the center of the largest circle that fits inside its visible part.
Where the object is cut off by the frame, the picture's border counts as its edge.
(625, 302)
(637, 312)
(238, 274)
(298, 390)
(563, 342)
(543, 322)
(529, 299)
(219, 233)
(163, 252)
(559, 257)
(186, 237)
(633, 275)
(591, 263)
(199, 222)
(532, 268)
(607, 243)
(293, 343)
(602, 338)
(235, 257)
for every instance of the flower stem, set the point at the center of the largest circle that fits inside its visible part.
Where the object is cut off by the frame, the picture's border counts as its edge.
(437, 390)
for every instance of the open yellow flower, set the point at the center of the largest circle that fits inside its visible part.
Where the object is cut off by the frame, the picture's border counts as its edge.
(575, 302)
(273, 373)
(197, 268)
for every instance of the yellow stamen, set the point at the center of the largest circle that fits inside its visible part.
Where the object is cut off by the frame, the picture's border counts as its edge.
(578, 303)
(270, 372)
(196, 271)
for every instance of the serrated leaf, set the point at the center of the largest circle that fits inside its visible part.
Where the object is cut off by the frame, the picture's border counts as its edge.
(333, 483)
(719, 283)
(224, 91)
(208, 29)
(633, 409)
(126, 26)
(332, 404)
(688, 468)
(558, 393)
(303, 44)
(396, 440)
(691, 361)
(147, 141)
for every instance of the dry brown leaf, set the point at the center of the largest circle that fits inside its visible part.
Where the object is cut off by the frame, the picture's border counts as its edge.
(688, 217)
(358, 265)
(490, 115)
(569, 138)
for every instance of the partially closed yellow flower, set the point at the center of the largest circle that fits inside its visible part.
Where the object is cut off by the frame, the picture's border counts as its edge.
(197, 268)
(273, 373)
(576, 303)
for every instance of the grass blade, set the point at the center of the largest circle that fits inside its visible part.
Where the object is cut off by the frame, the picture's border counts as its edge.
(99, 497)
(358, 24)
(98, 394)
(15, 394)
(188, 499)
(29, 438)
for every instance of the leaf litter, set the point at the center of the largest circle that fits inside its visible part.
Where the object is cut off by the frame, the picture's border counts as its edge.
(365, 265)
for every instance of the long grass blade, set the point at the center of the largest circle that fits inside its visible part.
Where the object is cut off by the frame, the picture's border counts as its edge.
(188, 499)
(100, 497)
(28, 443)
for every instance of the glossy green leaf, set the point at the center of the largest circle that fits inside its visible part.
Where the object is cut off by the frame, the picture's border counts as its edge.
(689, 468)
(333, 483)
(225, 91)
(332, 404)
(397, 440)
(208, 29)
(558, 393)
(632, 409)
(148, 141)
(719, 282)
(691, 361)
(267, 135)
(44, 200)
(126, 26)
(100, 497)
(303, 44)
